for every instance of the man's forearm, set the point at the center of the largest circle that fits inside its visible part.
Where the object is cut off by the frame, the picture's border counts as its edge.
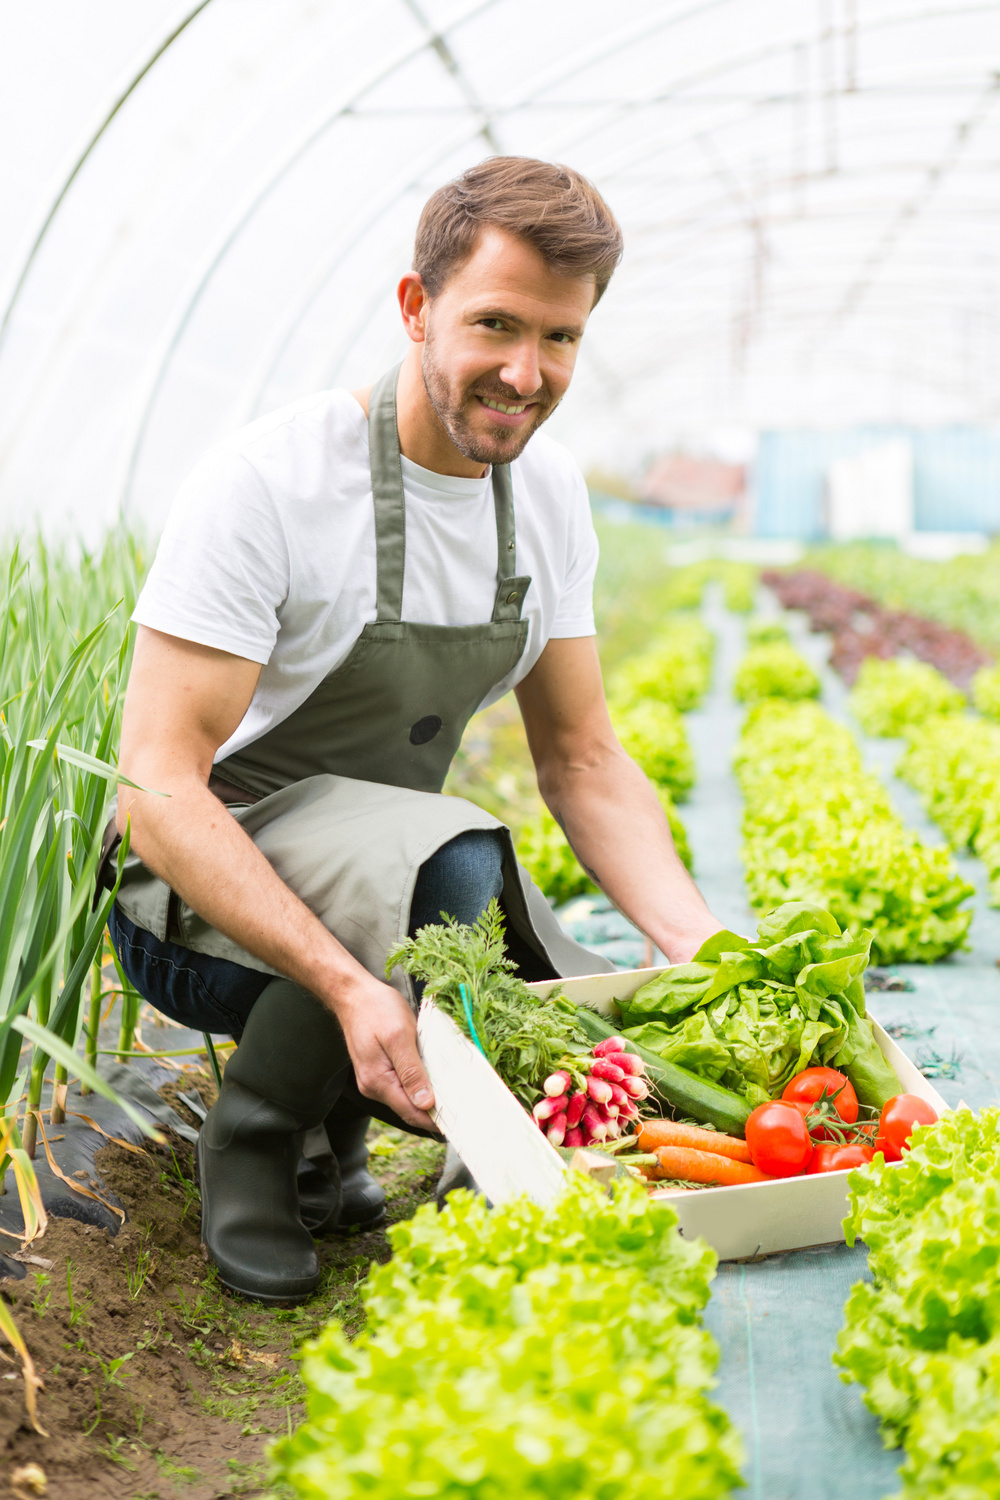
(199, 849)
(612, 817)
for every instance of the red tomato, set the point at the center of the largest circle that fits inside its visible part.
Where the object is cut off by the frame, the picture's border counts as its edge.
(778, 1140)
(887, 1149)
(897, 1120)
(821, 1157)
(830, 1157)
(819, 1083)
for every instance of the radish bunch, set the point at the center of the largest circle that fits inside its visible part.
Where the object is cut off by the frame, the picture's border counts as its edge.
(591, 1099)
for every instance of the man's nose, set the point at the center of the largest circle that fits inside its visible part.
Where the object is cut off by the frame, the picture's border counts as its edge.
(521, 369)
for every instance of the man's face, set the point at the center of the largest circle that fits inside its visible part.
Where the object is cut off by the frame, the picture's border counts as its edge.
(500, 344)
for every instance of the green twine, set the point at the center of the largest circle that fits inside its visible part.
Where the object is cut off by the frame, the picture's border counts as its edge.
(463, 990)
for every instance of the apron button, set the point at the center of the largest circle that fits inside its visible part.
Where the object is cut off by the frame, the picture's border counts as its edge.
(512, 598)
(425, 730)
(510, 546)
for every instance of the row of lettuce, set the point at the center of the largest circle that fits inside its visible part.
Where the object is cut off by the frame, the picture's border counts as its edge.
(818, 827)
(923, 1337)
(952, 757)
(526, 1351)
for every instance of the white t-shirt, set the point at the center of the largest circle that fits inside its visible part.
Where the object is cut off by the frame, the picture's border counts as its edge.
(269, 552)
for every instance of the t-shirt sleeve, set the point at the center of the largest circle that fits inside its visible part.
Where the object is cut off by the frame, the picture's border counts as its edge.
(575, 611)
(221, 571)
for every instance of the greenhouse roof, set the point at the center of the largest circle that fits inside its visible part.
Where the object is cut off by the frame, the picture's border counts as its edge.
(207, 207)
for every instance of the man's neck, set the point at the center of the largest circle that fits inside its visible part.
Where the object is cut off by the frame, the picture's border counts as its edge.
(422, 439)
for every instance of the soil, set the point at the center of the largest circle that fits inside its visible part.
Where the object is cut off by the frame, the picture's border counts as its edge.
(158, 1383)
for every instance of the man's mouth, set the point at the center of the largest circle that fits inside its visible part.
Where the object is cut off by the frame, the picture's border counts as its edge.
(509, 412)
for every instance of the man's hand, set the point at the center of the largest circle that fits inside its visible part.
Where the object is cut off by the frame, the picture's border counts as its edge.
(606, 807)
(381, 1035)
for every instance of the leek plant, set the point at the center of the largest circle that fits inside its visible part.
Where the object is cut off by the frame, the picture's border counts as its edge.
(64, 651)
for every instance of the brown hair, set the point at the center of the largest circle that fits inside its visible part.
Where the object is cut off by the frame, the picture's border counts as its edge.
(556, 210)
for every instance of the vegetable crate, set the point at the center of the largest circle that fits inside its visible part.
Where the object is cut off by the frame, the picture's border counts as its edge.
(508, 1155)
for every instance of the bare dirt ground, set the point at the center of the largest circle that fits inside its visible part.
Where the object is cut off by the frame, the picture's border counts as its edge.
(157, 1383)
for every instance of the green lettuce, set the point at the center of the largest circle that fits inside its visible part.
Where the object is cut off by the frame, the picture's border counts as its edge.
(924, 1337)
(820, 829)
(752, 1015)
(890, 695)
(522, 1352)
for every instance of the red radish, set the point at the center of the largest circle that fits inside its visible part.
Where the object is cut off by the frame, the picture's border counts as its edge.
(619, 1097)
(635, 1087)
(593, 1126)
(611, 1044)
(574, 1109)
(573, 1137)
(609, 1070)
(546, 1108)
(557, 1129)
(557, 1083)
(599, 1090)
(614, 1131)
(631, 1062)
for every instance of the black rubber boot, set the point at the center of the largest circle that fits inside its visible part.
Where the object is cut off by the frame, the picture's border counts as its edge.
(336, 1190)
(282, 1081)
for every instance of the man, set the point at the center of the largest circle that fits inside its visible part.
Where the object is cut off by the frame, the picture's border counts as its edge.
(338, 589)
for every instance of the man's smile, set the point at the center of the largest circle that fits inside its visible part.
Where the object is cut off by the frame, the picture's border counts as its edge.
(509, 413)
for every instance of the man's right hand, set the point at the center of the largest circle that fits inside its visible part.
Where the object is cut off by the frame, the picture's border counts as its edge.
(381, 1034)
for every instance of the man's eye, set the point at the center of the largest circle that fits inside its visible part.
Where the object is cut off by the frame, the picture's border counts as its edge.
(491, 323)
(563, 338)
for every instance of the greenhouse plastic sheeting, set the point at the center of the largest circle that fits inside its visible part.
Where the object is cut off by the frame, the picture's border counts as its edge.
(207, 205)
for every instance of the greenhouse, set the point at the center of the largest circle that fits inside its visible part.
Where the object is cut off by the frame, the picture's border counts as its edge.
(499, 932)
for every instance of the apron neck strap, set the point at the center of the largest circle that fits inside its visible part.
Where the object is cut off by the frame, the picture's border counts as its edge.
(390, 504)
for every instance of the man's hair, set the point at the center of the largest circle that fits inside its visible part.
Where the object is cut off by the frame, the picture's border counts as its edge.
(556, 210)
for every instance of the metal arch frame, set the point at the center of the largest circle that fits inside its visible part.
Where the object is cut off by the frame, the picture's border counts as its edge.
(943, 9)
(628, 36)
(911, 209)
(887, 19)
(192, 295)
(438, 43)
(249, 404)
(81, 160)
(169, 343)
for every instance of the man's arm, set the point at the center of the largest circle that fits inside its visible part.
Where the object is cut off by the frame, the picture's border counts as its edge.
(605, 805)
(183, 701)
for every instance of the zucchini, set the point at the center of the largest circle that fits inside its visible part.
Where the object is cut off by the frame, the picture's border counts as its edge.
(677, 1088)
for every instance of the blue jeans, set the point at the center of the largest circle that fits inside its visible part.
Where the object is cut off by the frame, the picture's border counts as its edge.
(215, 995)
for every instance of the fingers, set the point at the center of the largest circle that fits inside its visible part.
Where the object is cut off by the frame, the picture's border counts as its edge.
(401, 1050)
(388, 1091)
(387, 1065)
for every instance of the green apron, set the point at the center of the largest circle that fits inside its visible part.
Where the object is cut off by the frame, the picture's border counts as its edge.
(343, 797)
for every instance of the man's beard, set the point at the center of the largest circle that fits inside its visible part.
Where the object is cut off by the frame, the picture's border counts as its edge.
(504, 446)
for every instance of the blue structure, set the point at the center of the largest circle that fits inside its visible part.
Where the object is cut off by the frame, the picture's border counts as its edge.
(956, 477)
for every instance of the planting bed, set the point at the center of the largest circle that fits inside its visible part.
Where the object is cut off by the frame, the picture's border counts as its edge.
(158, 1383)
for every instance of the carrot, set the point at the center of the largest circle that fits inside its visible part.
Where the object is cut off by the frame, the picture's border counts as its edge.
(686, 1165)
(653, 1133)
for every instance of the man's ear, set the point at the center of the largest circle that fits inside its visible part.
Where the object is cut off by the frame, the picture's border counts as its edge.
(413, 304)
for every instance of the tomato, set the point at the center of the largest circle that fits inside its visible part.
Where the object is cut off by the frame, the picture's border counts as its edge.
(824, 1084)
(897, 1120)
(821, 1157)
(831, 1157)
(778, 1139)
